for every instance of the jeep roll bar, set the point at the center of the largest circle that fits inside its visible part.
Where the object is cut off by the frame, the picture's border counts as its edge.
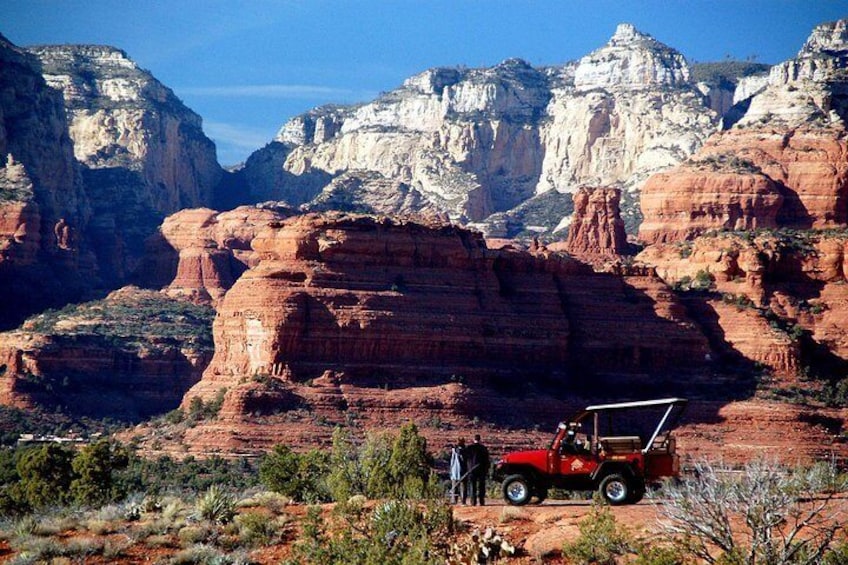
(670, 403)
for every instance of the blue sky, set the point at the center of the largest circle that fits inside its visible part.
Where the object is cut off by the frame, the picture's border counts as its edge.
(248, 66)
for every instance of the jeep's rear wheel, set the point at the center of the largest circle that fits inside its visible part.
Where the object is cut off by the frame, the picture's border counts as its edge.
(517, 490)
(615, 489)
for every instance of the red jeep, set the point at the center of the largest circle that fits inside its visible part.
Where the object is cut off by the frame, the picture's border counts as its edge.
(619, 466)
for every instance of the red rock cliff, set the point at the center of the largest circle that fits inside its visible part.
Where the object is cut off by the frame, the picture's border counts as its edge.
(752, 178)
(784, 162)
(596, 227)
(129, 356)
(213, 250)
(780, 300)
(376, 299)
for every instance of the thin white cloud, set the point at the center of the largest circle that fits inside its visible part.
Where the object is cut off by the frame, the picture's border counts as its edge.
(292, 91)
(236, 136)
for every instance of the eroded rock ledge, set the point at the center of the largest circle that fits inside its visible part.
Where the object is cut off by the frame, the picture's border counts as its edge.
(373, 301)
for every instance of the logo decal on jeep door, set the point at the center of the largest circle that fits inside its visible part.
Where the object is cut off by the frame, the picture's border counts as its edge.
(576, 464)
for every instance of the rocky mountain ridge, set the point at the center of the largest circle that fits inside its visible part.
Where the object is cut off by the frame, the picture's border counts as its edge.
(97, 153)
(129, 356)
(43, 203)
(781, 164)
(477, 142)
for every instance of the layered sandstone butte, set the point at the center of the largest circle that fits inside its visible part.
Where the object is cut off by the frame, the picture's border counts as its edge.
(212, 250)
(784, 163)
(368, 322)
(385, 301)
(596, 227)
(714, 192)
(478, 144)
(129, 356)
(782, 299)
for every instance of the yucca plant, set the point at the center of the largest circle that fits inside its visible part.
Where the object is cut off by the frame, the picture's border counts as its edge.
(216, 505)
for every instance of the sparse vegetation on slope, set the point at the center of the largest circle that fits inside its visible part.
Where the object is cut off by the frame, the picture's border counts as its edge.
(726, 73)
(130, 320)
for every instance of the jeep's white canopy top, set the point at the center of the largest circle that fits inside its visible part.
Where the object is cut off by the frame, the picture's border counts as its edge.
(668, 403)
(638, 404)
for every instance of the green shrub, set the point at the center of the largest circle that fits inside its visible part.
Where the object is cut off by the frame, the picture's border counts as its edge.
(274, 502)
(199, 554)
(837, 555)
(410, 466)
(659, 555)
(36, 550)
(299, 476)
(26, 526)
(703, 280)
(198, 409)
(836, 396)
(383, 466)
(45, 475)
(256, 529)
(741, 301)
(194, 534)
(189, 475)
(395, 532)
(345, 477)
(94, 466)
(83, 548)
(601, 540)
(728, 163)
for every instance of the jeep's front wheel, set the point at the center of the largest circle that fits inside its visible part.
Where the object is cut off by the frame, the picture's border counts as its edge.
(517, 490)
(541, 494)
(615, 489)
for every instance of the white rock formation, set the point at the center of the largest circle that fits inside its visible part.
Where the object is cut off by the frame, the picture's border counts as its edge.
(478, 142)
(810, 86)
(120, 116)
(749, 86)
(632, 60)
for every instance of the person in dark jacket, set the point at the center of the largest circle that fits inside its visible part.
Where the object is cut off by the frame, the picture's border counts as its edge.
(477, 461)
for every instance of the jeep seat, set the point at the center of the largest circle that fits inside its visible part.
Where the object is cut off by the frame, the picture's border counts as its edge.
(621, 444)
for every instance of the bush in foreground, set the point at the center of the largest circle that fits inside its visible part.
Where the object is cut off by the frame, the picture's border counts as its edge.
(764, 514)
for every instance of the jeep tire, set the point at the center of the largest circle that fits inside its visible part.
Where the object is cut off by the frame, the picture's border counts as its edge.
(517, 490)
(638, 492)
(541, 494)
(616, 489)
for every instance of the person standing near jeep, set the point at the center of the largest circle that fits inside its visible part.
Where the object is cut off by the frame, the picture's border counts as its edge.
(458, 473)
(477, 460)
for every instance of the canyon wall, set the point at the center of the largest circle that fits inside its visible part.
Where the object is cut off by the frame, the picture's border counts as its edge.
(129, 356)
(143, 153)
(478, 144)
(95, 153)
(374, 300)
(44, 207)
(212, 250)
(783, 163)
